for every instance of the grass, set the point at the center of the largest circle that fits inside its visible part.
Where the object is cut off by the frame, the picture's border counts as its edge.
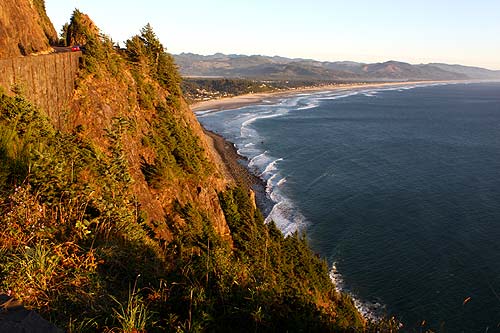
(38, 267)
(134, 316)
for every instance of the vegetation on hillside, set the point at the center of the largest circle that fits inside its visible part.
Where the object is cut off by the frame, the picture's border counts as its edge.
(79, 246)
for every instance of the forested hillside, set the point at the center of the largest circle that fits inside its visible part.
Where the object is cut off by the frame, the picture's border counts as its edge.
(115, 217)
(258, 67)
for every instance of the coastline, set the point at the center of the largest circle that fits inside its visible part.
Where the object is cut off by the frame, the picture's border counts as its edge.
(229, 103)
(227, 154)
(231, 161)
(233, 164)
(234, 168)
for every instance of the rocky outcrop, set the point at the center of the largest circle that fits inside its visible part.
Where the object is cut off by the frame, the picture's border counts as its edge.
(24, 28)
(47, 80)
(100, 99)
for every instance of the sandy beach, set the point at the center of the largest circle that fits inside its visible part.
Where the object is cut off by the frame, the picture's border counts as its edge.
(250, 99)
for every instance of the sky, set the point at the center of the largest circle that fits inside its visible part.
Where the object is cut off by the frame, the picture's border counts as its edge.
(451, 31)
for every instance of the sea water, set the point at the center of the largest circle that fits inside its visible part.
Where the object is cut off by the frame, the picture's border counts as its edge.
(397, 187)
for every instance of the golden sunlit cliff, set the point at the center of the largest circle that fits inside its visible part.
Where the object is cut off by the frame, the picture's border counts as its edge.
(24, 28)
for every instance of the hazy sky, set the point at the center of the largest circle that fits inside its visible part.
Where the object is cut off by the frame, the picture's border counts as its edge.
(415, 31)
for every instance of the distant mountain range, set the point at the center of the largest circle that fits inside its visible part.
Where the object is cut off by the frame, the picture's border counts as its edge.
(280, 68)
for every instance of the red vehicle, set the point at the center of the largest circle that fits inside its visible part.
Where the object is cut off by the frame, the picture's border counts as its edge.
(75, 48)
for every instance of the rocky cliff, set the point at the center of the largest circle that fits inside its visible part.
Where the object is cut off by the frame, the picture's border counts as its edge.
(49, 82)
(110, 88)
(36, 34)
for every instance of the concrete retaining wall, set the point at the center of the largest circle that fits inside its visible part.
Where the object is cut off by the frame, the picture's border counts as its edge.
(46, 80)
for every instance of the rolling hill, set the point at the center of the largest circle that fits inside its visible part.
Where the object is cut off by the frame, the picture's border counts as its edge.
(280, 68)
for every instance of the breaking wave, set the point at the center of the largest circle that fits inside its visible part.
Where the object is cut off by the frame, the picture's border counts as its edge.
(373, 310)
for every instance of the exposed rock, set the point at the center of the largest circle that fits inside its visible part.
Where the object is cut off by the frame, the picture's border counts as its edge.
(101, 98)
(14, 318)
(81, 29)
(36, 34)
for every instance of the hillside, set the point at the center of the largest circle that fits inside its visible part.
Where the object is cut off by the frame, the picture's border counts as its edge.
(37, 32)
(472, 72)
(280, 68)
(116, 216)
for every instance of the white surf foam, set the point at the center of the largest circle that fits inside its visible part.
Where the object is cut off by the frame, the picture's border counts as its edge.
(369, 310)
(204, 112)
(271, 167)
(265, 115)
(334, 97)
(270, 184)
(311, 105)
(256, 163)
(285, 215)
(281, 182)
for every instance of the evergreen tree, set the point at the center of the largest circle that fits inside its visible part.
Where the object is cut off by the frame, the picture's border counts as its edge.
(147, 48)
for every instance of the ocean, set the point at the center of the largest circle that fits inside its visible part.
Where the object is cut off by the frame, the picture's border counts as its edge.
(398, 188)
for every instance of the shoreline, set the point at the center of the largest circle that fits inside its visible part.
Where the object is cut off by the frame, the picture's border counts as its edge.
(233, 169)
(235, 102)
(242, 176)
(369, 308)
(237, 172)
(232, 162)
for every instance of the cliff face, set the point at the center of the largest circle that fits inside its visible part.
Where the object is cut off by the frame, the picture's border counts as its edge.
(99, 100)
(49, 82)
(110, 88)
(24, 28)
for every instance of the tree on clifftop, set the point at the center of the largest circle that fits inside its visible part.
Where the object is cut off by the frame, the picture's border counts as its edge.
(147, 49)
(81, 29)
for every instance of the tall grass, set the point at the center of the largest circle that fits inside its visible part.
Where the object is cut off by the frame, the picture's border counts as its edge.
(37, 267)
(134, 315)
